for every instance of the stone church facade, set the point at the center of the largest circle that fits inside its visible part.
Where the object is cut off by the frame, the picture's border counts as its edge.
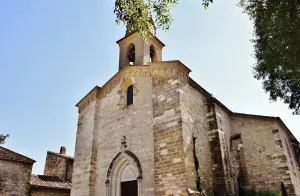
(141, 132)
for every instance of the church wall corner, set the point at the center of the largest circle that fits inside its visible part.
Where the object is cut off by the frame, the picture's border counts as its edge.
(83, 178)
(194, 113)
(263, 146)
(170, 171)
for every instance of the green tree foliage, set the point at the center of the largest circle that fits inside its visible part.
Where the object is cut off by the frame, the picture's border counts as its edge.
(263, 192)
(2, 138)
(145, 16)
(276, 42)
(277, 47)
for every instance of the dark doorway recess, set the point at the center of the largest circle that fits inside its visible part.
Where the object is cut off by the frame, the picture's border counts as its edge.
(129, 188)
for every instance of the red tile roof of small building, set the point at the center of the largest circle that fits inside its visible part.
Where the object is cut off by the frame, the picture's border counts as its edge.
(41, 181)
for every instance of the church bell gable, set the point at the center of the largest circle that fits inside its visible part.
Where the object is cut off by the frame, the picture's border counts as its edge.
(136, 51)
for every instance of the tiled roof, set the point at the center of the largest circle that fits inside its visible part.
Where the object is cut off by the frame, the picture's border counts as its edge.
(41, 181)
(6, 154)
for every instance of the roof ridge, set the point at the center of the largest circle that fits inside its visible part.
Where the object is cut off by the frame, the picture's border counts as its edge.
(61, 155)
(258, 115)
(27, 159)
(202, 90)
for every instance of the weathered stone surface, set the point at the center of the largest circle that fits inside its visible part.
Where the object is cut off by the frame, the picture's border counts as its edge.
(83, 171)
(290, 157)
(57, 176)
(267, 160)
(15, 172)
(142, 50)
(224, 127)
(151, 140)
(59, 165)
(170, 171)
(117, 120)
(16, 178)
(49, 192)
(193, 111)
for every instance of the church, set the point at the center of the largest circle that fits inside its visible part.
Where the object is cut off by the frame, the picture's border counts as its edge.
(152, 130)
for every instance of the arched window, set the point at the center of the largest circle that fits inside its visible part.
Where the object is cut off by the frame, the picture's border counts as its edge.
(130, 95)
(131, 54)
(152, 53)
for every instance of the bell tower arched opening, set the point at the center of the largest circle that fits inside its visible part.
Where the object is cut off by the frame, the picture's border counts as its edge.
(153, 56)
(131, 54)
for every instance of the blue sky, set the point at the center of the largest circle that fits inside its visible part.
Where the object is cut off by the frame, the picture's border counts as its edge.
(53, 52)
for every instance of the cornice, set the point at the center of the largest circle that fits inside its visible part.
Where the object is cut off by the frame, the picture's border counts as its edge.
(157, 42)
(88, 98)
(162, 68)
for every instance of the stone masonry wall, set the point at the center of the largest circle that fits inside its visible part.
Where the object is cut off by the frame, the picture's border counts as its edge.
(69, 170)
(170, 171)
(238, 166)
(218, 147)
(224, 125)
(142, 51)
(105, 122)
(292, 172)
(55, 165)
(116, 120)
(83, 174)
(194, 123)
(49, 192)
(265, 159)
(14, 178)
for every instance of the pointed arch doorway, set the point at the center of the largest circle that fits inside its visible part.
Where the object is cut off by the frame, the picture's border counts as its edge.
(124, 175)
(129, 183)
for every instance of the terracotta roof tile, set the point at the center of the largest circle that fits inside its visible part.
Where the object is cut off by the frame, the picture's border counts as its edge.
(41, 181)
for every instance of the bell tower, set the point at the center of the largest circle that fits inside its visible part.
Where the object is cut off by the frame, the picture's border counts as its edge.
(135, 51)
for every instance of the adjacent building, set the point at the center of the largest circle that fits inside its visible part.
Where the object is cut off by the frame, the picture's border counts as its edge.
(57, 178)
(16, 178)
(15, 173)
